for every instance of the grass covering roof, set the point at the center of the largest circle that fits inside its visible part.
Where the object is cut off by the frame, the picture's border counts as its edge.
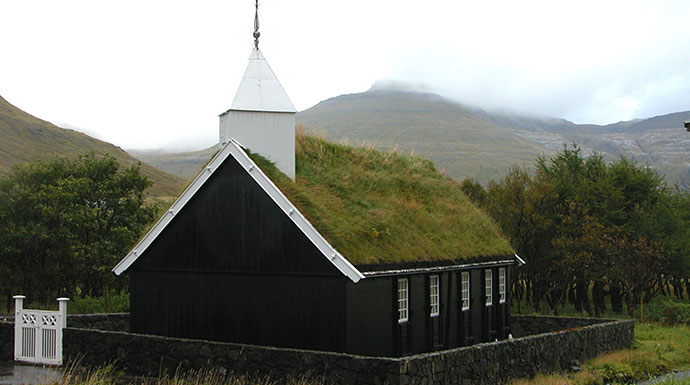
(383, 207)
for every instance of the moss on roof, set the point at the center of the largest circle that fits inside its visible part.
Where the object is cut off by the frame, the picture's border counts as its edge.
(383, 207)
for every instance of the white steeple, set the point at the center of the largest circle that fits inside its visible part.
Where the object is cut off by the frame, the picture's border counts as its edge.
(260, 89)
(262, 117)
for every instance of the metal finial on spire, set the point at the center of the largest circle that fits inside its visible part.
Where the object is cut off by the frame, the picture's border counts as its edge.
(256, 26)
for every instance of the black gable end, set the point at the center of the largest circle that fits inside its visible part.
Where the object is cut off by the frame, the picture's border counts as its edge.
(232, 225)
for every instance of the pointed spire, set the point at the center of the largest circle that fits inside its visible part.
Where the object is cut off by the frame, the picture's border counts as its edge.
(260, 89)
(256, 26)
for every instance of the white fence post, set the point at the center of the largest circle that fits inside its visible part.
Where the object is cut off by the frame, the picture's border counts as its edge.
(18, 303)
(18, 307)
(62, 308)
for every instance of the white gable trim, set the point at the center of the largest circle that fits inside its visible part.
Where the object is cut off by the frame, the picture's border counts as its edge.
(520, 261)
(235, 149)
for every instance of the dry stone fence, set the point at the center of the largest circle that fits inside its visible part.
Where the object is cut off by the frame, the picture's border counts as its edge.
(540, 344)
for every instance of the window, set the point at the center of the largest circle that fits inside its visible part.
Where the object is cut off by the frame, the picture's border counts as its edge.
(465, 290)
(403, 304)
(433, 295)
(488, 288)
(502, 285)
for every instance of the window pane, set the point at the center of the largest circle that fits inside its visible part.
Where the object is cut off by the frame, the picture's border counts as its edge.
(488, 287)
(433, 295)
(465, 290)
(502, 285)
(402, 300)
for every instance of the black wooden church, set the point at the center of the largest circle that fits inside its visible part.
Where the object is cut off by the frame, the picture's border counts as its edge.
(248, 252)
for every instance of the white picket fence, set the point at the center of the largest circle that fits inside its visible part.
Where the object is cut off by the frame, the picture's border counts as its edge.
(38, 333)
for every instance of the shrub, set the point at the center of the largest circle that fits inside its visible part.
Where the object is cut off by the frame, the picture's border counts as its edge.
(110, 302)
(668, 311)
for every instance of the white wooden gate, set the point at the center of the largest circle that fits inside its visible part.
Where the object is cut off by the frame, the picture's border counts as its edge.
(38, 333)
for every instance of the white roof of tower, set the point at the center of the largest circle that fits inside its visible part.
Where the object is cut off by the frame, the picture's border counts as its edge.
(260, 89)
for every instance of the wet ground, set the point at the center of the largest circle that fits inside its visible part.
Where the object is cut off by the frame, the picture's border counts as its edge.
(15, 373)
(675, 375)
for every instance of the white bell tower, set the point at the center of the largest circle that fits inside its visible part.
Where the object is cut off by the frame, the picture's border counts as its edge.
(262, 117)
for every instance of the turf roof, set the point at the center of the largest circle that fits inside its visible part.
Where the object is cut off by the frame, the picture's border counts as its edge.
(383, 207)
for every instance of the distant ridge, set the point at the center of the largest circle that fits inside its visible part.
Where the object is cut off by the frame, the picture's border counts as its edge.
(471, 142)
(458, 139)
(181, 164)
(25, 138)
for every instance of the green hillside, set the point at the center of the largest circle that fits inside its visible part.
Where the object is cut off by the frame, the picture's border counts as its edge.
(457, 139)
(384, 207)
(25, 138)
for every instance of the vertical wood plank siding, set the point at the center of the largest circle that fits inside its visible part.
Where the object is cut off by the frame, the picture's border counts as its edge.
(231, 224)
(372, 326)
(284, 311)
(232, 267)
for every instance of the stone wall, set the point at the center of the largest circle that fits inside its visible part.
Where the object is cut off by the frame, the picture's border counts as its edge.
(150, 355)
(498, 362)
(488, 363)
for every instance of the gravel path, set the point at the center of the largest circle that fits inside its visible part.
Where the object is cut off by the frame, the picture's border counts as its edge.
(676, 375)
(12, 373)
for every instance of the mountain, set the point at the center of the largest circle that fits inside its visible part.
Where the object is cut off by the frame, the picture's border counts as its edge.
(181, 164)
(458, 139)
(468, 141)
(471, 142)
(25, 138)
(660, 141)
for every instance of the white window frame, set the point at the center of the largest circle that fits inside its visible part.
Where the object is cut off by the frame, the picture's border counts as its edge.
(403, 300)
(465, 290)
(501, 285)
(434, 298)
(488, 287)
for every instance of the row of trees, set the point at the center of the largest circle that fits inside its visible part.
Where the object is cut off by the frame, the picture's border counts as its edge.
(64, 224)
(591, 229)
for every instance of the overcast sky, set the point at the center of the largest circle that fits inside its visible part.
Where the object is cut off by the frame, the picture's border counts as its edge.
(151, 74)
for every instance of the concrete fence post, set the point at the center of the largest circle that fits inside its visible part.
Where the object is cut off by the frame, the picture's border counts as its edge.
(18, 305)
(62, 308)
